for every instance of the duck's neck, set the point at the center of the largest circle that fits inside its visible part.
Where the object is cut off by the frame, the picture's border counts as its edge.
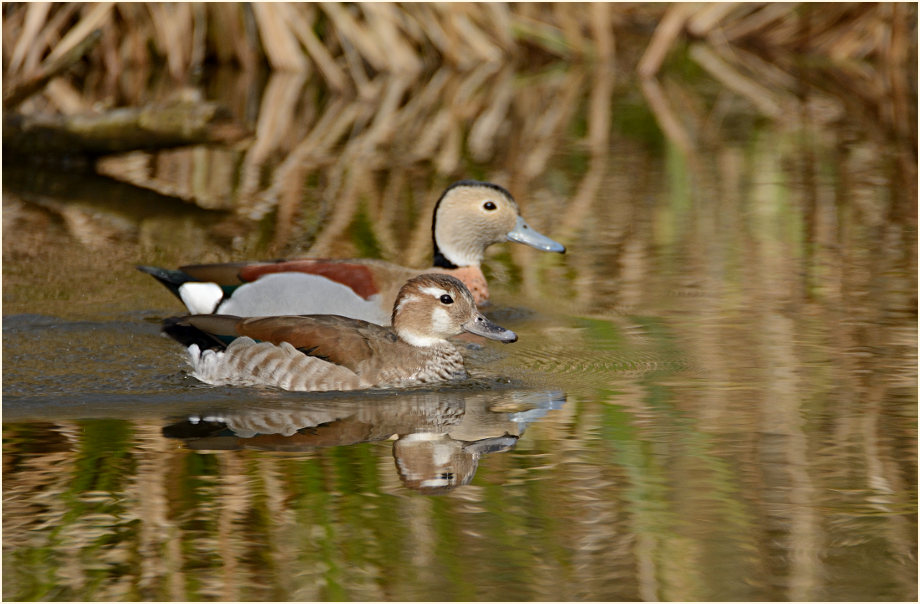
(440, 260)
(419, 340)
(450, 253)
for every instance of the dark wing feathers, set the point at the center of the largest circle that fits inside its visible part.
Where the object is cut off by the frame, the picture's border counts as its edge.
(340, 340)
(352, 274)
(227, 273)
(186, 333)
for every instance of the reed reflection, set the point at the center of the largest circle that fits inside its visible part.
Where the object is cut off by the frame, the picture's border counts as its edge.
(439, 436)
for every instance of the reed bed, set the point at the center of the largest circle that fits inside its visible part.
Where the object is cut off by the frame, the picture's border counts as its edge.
(757, 50)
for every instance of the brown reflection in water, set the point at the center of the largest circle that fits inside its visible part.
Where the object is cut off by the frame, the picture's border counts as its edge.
(440, 437)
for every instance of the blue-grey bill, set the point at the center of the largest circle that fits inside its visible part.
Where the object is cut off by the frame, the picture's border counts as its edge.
(522, 233)
(487, 329)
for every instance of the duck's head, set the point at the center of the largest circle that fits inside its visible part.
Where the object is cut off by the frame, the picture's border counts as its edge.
(471, 215)
(433, 307)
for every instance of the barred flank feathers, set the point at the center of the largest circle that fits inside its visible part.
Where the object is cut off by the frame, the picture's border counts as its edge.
(247, 363)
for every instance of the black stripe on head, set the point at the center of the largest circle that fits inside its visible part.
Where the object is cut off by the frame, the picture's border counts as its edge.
(439, 260)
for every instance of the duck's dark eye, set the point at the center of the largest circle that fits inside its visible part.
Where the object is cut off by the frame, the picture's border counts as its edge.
(489, 205)
(445, 299)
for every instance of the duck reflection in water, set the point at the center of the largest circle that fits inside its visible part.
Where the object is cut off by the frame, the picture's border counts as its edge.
(440, 436)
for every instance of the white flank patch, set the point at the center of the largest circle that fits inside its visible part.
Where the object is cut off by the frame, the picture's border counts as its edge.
(200, 298)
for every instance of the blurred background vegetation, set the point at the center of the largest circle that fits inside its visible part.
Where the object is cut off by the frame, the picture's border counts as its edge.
(734, 324)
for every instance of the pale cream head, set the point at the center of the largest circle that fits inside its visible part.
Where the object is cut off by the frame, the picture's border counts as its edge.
(433, 307)
(471, 215)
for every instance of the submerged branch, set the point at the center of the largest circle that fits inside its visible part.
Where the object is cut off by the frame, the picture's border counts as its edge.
(120, 130)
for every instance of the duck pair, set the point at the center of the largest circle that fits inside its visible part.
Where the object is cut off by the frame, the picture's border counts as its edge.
(373, 324)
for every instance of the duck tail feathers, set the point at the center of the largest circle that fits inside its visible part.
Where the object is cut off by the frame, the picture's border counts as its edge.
(183, 331)
(172, 279)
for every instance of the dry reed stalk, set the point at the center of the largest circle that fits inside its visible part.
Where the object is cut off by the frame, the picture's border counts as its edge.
(418, 252)
(547, 126)
(543, 35)
(602, 92)
(236, 504)
(573, 26)
(35, 16)
(425, 18)
(287, 203)
(746, 24)
(448, 160)
(383, 20)
(278, 41)
(331, 128)
(358, 35)
(234, 33)
(579, 207)
(416, 121)
(385, 212)
(477, 44)
(663, 39)
(383, 124)
(128, 54)
(172, 24)
(94, 18)
(342, 197)
(276, 120)
(500, 18)
(333, 74)
(768, 73)
(710, 15)
(224, 18)
(488, 127)
(895, 73)
(11, 26)
(760, 96)
(54, 29)
(665, 116)
(65, 98)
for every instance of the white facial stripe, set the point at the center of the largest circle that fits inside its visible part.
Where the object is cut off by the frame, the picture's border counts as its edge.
(436, 292)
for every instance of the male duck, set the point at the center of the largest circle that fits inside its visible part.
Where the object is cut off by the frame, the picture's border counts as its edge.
(327, 352)
(469, 217)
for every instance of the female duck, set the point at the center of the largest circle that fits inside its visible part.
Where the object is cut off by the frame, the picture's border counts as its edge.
(327, 352)
(468, 218)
